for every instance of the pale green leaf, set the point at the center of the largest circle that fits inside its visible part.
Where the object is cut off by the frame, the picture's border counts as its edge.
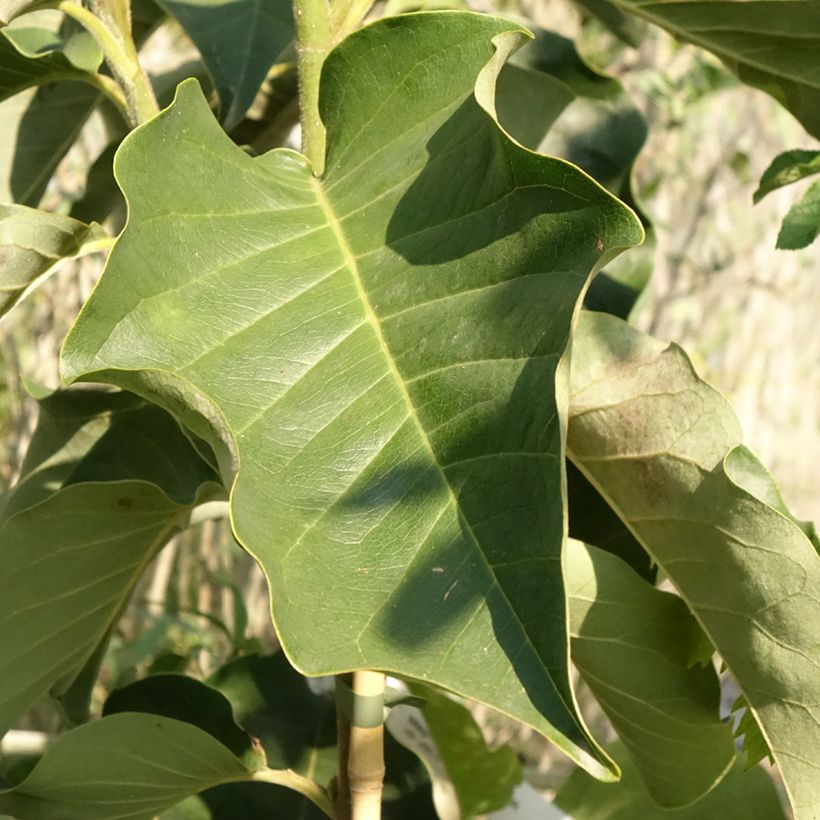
(483, 779)
(95, 503)
(239, 41)
(654, 438)
(633, 646)
(801, 225)
(786, 169)
(768, 44)
(34, 243)
(33, 56)
(378, 350)
(741, 795)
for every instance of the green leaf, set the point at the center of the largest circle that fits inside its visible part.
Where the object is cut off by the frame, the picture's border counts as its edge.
(483, 779)
(297, 729)
(786, 169)
(33, 56)
(95, 503)
(768, 44)
(801, 225)
(754, 744)
(34, 243)
(633, 646)
(127, 765)
(239, 41)
(370, 347)
(550, 100)
(39, 126)
(740, 796)
(654, 440)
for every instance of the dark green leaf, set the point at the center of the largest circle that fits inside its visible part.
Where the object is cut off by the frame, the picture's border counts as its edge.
(239, 40)
(378, 350)
(754, 744)
(768, 44)
(654, 439)
(801, 225)
(93, 506)
(740, 796)
(633, 645)
(626, 28)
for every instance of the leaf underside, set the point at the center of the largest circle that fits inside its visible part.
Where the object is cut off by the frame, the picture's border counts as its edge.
(378, 350)
(657, 442)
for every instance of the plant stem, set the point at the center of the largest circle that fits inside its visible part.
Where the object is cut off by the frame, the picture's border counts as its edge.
(313, 40)
(345, 16)
(121, 56)
(343, 744)
(365, 760)
(290, 779)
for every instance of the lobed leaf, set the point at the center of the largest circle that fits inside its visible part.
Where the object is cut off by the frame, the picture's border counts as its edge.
(654, 439)
(634, 647)
(768, 44)
(379, 351)
(34, 243)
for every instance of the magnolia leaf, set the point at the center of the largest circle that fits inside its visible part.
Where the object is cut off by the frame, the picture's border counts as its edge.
(483, 779)
(33, 56)
(378, 349)
(768, 44)
(162, 740)
(653, 438)
(34, 243)
(239, 41)
(801, 225)
(632, 645)
(786, 169)
(96, 501)
(297, 729)
(741, 795)
(550, 100)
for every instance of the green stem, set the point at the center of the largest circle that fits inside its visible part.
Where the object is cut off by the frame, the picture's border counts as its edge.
(345, 16)
(121, 57)
(313, 40)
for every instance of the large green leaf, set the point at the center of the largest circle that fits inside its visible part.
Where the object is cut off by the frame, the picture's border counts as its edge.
(34, 243)
(654, 440)
(239, 41)
(740, 796)
(97, 499)
(769, 44)
(636, 647)
(378, 350)
(162, 739)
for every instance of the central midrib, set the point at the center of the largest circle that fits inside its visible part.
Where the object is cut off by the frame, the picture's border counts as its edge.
(352, 264)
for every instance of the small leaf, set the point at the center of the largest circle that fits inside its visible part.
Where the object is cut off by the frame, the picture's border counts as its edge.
(239, 41)
(654, 439)
(801, 225)
(483, 778)
(408, 314)
(754, 744)
(768, 44)
(633, 645)
(742, 795)
(786, 169)
(33, 244)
